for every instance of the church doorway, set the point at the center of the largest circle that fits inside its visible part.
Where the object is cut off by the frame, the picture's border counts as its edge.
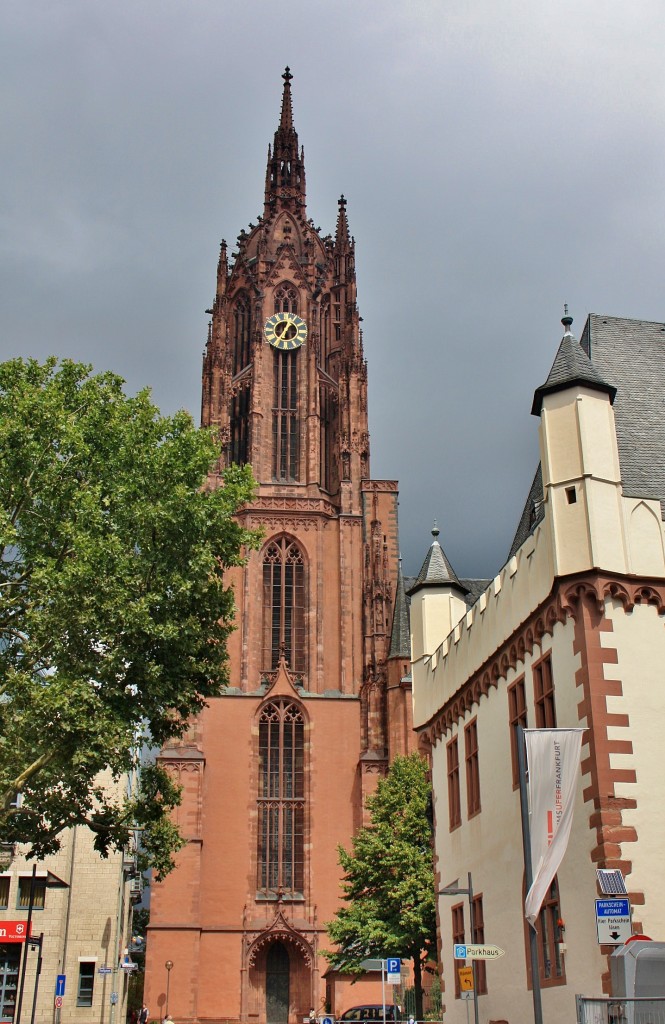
(277, 984)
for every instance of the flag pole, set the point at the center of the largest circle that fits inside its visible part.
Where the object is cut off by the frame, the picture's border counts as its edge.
(528, 876)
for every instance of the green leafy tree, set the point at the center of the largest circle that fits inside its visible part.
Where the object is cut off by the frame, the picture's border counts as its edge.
(114, 613)
(388, 880)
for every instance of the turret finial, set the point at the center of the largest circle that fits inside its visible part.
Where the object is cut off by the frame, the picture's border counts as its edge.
(435, 530)
(566, 319)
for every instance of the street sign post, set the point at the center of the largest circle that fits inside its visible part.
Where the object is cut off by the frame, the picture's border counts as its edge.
(476, 951)
(393, 970)
(613, 924)
(465, 975)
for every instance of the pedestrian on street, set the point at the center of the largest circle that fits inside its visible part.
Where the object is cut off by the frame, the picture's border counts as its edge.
(144, 1013)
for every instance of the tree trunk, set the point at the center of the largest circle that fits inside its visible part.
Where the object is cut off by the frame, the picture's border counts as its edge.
(418, 986)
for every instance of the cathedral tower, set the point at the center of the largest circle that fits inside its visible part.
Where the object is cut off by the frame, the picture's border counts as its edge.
(275, 772)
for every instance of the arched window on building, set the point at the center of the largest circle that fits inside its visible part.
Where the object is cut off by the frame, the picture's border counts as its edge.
(240, 407)
(281, 800)
(284, 602)
(285, 418)
(286, 298)
(241, 328)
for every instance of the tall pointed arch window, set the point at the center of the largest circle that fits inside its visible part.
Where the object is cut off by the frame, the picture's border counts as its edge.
(281, 800)
(284, 602)
(285, 418)
(241, 333)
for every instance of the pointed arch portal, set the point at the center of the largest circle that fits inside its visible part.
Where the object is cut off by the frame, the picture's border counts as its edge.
(277, 984)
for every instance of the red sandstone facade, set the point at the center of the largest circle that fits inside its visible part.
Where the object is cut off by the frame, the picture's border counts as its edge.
(276, 772)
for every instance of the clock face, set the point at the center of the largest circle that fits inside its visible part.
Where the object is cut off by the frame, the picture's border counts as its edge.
(285, 330)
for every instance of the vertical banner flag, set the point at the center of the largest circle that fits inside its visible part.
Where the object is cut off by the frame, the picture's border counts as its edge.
(553, 759)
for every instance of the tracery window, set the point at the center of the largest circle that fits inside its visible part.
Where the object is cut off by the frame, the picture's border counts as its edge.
(286, 299)
(240, 406)
(281, 800)
(284, 600)
(285, 419)
(241, 328)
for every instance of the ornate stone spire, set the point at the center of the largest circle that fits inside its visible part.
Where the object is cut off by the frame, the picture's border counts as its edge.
(285, 173)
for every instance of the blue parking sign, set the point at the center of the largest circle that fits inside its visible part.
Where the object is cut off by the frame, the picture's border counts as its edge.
(60, 984)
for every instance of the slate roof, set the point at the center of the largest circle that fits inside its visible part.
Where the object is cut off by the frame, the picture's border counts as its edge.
(436, 570)
(630, 354)
(400, 637)
(571, 366)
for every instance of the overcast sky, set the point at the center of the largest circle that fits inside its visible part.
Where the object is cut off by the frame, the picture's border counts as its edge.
(499, 158)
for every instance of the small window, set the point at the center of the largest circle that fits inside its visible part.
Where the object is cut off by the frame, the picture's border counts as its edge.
(38, 893)
(4, 892)
(454, 808)
(458, 939)
(472, 768)
(571, 495)
(479, 938)
(86, 983)
(516, 718)
(543, 693)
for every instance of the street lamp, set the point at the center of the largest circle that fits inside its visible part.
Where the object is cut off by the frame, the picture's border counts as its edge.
(169, 968)
(454, 890)
(51, 881)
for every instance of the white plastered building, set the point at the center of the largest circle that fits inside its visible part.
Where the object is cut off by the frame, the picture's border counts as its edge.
(570, 634)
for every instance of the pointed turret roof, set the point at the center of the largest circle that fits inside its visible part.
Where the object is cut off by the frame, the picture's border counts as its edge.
(400, 638)
(571, 366)
(436, 570)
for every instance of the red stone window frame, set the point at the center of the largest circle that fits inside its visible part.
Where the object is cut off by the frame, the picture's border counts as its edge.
(472, 767)
(285, 418)
(286, 298)
(478, 936)
(543, 693)
(517, 716)
(284, 605)
(281, 801)
(454, 800)
(242, 333)
(551, 962)
(457, 915)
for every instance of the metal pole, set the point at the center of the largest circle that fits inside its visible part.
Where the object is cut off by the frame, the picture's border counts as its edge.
(19, 1004)
(39, 971)
(383, 988)
(528, 876)
(472, 922)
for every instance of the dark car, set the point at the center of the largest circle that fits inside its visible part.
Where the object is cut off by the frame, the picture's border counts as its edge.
(370, 1012)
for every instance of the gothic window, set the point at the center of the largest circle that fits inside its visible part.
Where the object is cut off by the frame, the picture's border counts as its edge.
(325, 332)
(241, 334)
(286, 298)
(240, 403)
(285, 420)
(281, 800)
(284, 601)
(329, 422)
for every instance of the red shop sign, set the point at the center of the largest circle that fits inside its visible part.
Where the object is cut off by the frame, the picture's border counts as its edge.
(13, 931)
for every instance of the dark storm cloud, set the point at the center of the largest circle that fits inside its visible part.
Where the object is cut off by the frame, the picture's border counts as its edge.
(498, 160)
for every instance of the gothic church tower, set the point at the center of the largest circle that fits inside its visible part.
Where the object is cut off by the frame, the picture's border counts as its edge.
(275, 773)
